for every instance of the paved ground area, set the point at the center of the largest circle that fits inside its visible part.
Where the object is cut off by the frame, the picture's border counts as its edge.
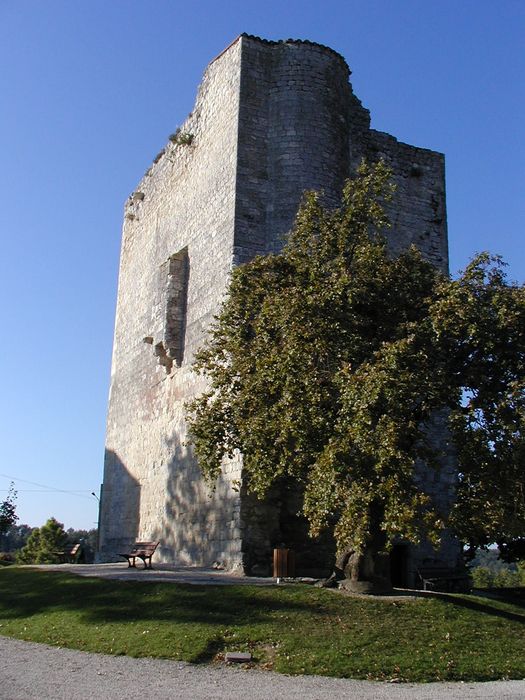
(167, 573)
(31, 671)
(161, 572)
(195, 575)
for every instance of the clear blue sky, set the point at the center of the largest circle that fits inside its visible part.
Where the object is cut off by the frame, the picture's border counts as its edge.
(89, 92)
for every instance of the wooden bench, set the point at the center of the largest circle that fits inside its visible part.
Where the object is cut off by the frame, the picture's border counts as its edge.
(69, 553)
(445, 579)
(140, 550)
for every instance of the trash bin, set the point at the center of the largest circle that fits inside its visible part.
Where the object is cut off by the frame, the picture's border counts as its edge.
(283, 563)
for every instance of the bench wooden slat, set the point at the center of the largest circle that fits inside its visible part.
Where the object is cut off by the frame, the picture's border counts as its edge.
(69, 553)
(140, 550)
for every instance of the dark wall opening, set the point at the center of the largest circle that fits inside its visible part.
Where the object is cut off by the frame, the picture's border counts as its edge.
(399, 565)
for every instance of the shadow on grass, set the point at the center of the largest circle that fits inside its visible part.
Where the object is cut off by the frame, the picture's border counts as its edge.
(24, 593)
(208, 653)
(489, 607)
(514, 596)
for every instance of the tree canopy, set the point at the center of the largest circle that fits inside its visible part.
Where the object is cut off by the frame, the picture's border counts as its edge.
(329, 362)
(44, 544)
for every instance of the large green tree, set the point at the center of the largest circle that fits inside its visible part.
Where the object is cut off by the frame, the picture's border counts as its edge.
(330, 361)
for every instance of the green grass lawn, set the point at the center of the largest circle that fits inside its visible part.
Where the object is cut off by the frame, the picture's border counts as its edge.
(291, 629)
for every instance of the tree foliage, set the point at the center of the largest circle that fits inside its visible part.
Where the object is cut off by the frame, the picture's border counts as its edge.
(329, 363)
(44, 544)
(483, 577)
(489, 570)
(8, 514)
(481, 327)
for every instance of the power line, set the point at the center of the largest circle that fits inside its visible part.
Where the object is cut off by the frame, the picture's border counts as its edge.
(80, 493)
(38, 491)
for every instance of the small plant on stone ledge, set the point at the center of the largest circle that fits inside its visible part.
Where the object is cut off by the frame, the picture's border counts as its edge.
(159, 156)
(181, 138)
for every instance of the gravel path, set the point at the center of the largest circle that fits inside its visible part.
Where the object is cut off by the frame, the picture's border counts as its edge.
(31, 671)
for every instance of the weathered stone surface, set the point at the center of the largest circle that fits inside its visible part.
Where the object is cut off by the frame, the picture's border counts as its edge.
(271, 119)
(237, 657)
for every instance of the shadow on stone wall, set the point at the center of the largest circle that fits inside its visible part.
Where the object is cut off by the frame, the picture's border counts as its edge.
(119, 509)
(313, 556)
(240, 531)
(278, 521)
(261, 530)
(200, 526)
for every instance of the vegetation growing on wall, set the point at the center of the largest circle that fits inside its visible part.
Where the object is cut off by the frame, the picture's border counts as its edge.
(181, 138)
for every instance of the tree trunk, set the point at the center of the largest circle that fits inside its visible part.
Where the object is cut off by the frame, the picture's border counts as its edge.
(367, 571)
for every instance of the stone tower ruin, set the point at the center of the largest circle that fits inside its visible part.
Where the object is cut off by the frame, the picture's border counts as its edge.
(271, 120)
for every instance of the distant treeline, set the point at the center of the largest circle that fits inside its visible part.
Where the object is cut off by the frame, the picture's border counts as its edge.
(489, 571)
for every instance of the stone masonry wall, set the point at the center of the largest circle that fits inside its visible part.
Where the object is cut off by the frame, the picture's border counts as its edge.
(175, 260)
(272, 119)
(418, 211)
(302, 128)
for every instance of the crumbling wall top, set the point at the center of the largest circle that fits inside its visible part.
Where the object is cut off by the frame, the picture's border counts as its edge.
(282, 42)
